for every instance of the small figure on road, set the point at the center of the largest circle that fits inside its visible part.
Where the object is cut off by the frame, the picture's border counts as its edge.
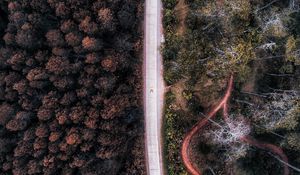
(151, 90)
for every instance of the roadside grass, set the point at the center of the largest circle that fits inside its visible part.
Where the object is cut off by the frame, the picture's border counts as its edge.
(173, 134)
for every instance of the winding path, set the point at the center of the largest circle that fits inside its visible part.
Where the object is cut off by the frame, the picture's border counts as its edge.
(153, 87)
(223, 104)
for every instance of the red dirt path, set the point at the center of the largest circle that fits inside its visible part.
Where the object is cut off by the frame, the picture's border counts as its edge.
(192, 169)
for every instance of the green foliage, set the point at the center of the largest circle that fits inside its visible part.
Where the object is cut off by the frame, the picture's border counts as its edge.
(292, 50)
(169, 4)
(294, 23)
(293, 141)
(173, 135)
(171, 73)
(241, 8)
(287, 69)
(187, 95)
(170, 97)
(171, 46)
(169, 18)
(240, 56)
(235, 59)
(173, 131)
(291, 120)
(290, 45)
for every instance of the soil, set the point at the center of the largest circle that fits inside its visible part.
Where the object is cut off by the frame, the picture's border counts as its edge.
(181, 11)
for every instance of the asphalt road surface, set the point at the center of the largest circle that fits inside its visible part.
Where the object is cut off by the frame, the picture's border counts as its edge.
(153, 87)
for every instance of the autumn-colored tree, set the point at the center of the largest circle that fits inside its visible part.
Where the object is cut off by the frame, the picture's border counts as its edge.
(92, 44)
(55, 38)
(88, 26)
(73, 38)
(59, 74)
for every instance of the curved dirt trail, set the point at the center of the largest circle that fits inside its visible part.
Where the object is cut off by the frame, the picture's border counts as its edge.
(247, 139)
(266, 146)
(187, 140)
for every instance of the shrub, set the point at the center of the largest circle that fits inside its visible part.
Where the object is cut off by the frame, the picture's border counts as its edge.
(293, 140)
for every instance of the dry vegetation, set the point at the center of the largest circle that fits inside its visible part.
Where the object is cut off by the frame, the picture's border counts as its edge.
(70, 87)
(181, 11)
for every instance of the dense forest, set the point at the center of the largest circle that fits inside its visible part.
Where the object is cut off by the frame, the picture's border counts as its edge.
(256, 41)
(71, 87)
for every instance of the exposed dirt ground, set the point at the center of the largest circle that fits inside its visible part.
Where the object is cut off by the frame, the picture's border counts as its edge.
(177, 89)
(181, 11)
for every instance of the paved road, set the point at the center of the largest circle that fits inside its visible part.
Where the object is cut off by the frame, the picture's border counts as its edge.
(153, 87)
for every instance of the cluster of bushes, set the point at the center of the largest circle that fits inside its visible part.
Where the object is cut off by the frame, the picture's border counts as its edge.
(70, 87)
(258, 42)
